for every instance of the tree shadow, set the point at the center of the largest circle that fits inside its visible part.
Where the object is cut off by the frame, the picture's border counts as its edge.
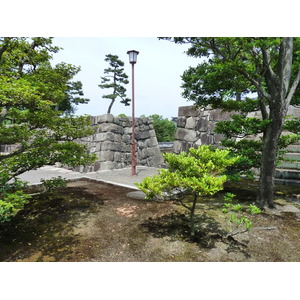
(208, 231)
(45, 225)
(177, 227)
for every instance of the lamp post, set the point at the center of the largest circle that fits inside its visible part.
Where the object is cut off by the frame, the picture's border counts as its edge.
(132, 59)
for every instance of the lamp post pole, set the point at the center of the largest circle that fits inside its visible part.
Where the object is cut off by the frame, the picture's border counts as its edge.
(132, 59)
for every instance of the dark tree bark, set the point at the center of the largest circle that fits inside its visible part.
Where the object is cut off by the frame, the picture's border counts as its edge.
(278, 87)
(192, 215)
(110, 106)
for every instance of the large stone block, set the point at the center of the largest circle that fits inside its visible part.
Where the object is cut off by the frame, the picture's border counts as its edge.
(97, 166)
(126, 138)
(107, 145)
(150, 151)
(125, 147)
(181, 120)
(202, 124)
(155, 161)
(206, 139)
(188, 111)
(127, 130)
(142, 135)
(186, 135)
(106, 156)
(104, 136)
(152, 133)
(151, 142)
(177, 147)
(110, 127)
(108, 165)
(218, 138)
(106, 118)
(191, 123)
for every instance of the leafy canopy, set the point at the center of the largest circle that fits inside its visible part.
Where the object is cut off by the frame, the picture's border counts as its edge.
(198, 173)
(31, 96)
(244, 75)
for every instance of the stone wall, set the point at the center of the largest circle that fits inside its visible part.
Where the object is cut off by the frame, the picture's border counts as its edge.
(112, 143)
(195, 127)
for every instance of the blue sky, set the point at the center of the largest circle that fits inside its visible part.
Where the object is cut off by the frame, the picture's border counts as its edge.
(158, 69)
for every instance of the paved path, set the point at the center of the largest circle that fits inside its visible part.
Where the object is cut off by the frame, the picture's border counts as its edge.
(121, 177)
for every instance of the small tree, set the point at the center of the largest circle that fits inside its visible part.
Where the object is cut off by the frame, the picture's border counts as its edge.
(198, 173)
(115, 79)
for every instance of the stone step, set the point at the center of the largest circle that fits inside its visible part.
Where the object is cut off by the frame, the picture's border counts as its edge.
(287, 174)
(294, 148)
(293, 156)
(289, 165)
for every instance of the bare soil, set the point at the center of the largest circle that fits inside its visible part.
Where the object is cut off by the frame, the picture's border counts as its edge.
(98, 222)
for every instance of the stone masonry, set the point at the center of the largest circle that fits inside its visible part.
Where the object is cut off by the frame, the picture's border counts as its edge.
(112, 143)
(195, 127)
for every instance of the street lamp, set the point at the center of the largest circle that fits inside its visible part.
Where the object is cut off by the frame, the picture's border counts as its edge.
(132, 59)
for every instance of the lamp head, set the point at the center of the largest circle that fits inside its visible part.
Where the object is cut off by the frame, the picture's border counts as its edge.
(132, 56)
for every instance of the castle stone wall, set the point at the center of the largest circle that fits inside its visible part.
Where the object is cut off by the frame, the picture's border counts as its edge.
(195, 127)
(112, 143)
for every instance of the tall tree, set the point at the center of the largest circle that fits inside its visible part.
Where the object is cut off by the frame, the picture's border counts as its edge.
(30, 59)
(115, 79)
(229, 70)
(29, 92)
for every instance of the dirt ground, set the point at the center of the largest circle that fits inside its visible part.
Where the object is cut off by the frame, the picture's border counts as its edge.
(95, 222)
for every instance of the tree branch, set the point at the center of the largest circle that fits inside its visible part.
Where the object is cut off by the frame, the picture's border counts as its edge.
(292, 89)
(255, 83)
(267, 65)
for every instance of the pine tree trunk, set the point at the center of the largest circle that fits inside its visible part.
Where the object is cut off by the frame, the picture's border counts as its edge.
(110, 106)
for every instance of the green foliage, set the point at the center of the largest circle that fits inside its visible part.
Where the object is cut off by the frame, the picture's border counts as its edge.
(241, 126)
(198, 173)
(231, 70)
(54, 183)
(11, 203)
(164, 128)
(12, 199)
(31, 94)
(293, 125)
(239, 214)
(115, 79)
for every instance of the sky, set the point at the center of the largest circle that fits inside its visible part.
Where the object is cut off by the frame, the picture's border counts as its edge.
(157, 73)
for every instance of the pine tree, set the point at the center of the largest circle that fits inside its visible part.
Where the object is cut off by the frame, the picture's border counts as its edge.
(115, 79)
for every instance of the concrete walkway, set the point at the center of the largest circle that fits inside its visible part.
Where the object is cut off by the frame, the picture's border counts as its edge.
(120, 177)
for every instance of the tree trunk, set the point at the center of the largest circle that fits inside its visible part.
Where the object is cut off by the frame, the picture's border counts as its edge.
(268, 161)
(192, 221)
(110, 106)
